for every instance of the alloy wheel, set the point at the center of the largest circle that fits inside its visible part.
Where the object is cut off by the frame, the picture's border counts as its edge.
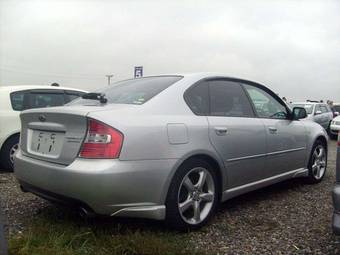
(12, 152)
(319, 162)
(196, 195)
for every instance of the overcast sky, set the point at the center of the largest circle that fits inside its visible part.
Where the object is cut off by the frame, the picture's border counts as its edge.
(293, 47)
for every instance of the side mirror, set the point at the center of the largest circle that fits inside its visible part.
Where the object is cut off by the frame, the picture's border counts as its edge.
(336, 113)
(299, 113)
(318, 112)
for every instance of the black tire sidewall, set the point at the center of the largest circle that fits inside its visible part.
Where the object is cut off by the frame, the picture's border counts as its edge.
(173, 217)
(5, 160)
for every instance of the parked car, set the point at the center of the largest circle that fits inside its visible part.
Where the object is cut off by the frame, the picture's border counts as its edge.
(167, 147)
(336, 193)
(335, 127)
(336, 109)
(318, 112)
(14, 99)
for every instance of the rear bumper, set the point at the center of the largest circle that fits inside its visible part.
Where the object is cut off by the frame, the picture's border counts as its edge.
(336, 213)
(107, 187)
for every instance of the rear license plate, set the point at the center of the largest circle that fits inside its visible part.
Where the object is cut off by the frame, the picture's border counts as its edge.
(47, 143)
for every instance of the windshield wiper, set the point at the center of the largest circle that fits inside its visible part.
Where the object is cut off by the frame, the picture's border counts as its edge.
(95, 96)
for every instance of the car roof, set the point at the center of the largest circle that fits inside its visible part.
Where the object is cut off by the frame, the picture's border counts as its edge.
(27, 87)
(203, 75)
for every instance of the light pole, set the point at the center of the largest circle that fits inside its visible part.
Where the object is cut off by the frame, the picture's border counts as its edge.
(109, 76)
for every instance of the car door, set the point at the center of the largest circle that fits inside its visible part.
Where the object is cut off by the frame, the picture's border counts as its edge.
(237, 135)
(286, 140)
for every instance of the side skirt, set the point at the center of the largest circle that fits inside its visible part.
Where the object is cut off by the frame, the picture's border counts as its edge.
(230, 193)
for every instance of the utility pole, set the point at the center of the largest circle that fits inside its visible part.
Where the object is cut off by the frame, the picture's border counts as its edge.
(109, 76)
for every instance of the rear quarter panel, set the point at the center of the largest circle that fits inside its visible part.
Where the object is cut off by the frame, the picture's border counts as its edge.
(150, 137)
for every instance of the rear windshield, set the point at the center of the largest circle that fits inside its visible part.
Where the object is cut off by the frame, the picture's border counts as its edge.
(135, 91)
(308, 107)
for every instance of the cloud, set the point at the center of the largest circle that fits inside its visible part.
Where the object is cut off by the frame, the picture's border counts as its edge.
(291, 46)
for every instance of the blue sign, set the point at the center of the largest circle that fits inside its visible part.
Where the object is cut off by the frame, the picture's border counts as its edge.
(138, 71)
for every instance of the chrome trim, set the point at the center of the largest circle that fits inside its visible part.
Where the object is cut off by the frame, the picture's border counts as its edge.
(149, 212)
(230, 193)
(285, 151)
(247, 157)
(266, 154)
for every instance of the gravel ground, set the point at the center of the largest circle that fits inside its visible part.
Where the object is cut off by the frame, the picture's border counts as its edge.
(286, 218)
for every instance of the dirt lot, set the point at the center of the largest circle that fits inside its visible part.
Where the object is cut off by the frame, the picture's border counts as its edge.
(286, 218)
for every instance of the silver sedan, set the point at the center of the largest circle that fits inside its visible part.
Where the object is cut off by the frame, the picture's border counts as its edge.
(167, 147)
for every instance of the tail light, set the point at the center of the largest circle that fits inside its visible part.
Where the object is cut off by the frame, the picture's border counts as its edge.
(102, 141)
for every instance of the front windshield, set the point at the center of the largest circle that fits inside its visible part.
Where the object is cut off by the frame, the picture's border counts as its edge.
(308, 107)
(134, 91)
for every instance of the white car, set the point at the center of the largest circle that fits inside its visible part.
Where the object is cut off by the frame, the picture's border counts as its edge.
(336, 109)
(318, 112)
(335, 127)
(14, 99)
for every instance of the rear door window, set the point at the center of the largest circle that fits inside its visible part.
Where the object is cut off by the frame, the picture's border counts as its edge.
(228, 98)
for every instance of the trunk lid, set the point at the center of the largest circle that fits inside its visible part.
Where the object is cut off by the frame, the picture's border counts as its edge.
(56, 134)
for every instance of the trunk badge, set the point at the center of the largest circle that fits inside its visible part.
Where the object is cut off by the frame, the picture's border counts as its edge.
(42, 118)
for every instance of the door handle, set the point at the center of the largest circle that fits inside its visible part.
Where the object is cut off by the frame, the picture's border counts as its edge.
(272, 130)
(221, 130)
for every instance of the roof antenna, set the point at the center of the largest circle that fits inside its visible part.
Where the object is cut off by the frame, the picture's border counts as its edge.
(55, 84)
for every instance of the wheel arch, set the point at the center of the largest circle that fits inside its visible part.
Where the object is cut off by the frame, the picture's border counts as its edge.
(216, 163)
(321, 138)
(16, 133)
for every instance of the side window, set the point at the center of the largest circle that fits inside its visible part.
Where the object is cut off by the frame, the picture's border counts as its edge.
(45, 99)
(324, 109)
(228, 99)
(197, 98)
(17, 100)
(266, 106)
(317, 108)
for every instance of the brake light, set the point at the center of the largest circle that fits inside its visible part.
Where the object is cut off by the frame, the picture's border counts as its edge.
(102, 141)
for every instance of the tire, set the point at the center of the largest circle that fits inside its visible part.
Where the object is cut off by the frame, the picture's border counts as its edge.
(198, 202)
(317, 165)
(7, 152)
